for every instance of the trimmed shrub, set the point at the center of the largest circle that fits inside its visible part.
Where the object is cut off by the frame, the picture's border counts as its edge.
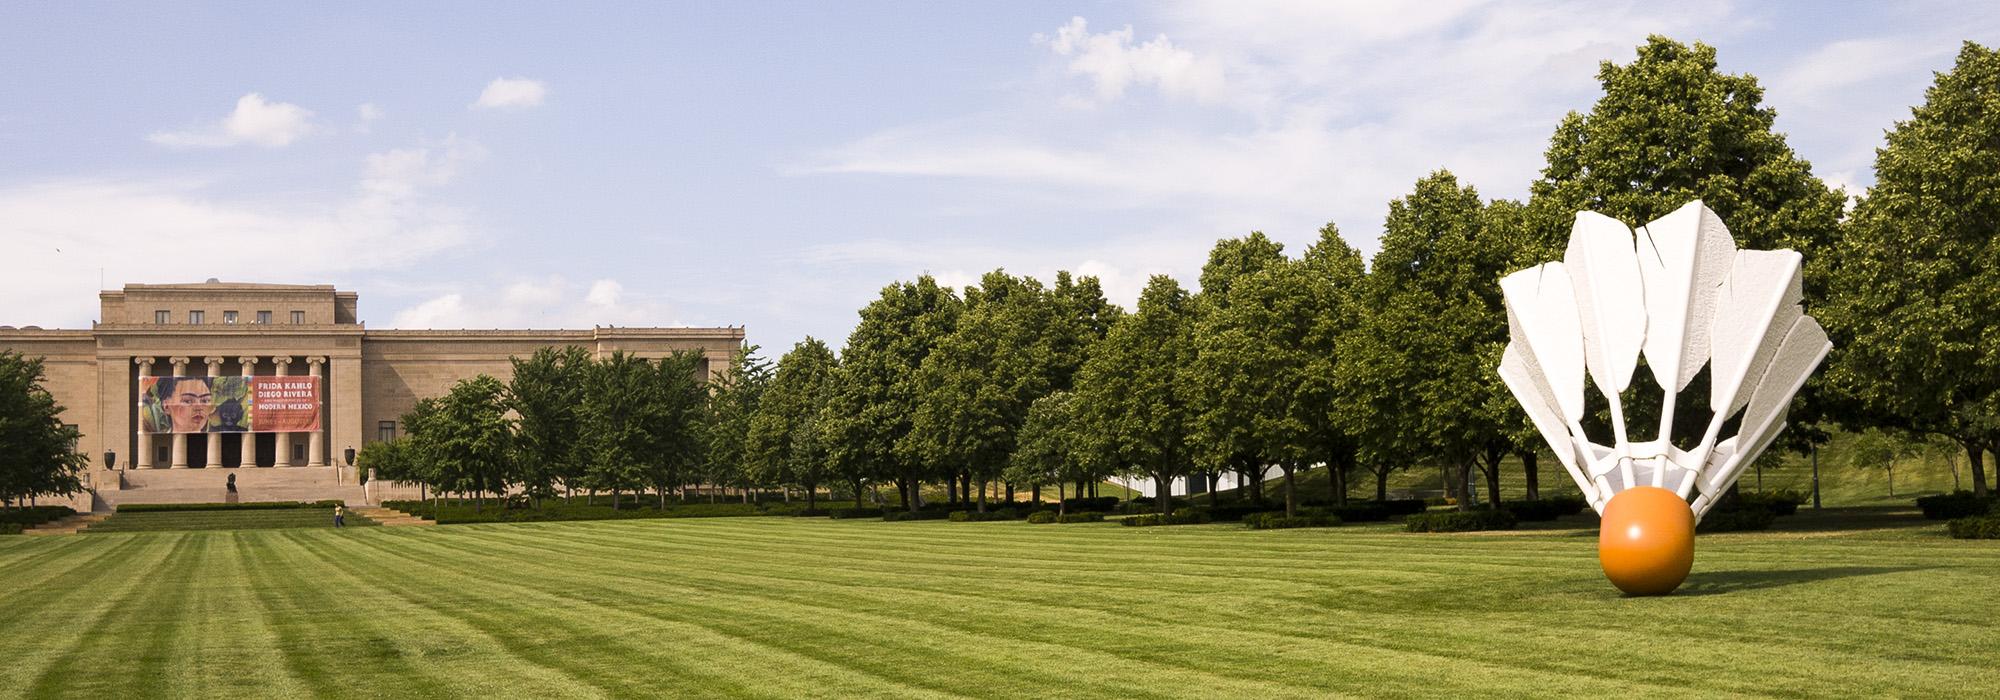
(1543, 510)
(1100, 503)
(34, 515)
(253, 505)
(851, 513)
(1460, 521)
(1180, 517)
(902, 515)
(1783, 503)
(973, 516)
(10, 528)
(1043, 517)
(1736, 520)
(1404, 506)
(1981, 528)
(1952, 506)
(1236, 512)
(1067, 518)
(1279, 521)
(1364, 512)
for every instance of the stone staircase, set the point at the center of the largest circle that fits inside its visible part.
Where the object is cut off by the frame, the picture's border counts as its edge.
(67, 526)
(390, 517)
(211, 486)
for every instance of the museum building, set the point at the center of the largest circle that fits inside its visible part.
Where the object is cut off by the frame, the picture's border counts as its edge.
(272, 376)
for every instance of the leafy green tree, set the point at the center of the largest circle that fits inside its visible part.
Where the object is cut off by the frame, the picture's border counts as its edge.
(464, 440)
(1051, 450)
(1134, 387)
(38, 455)
(617, 414)
(1917, 285)
(788, 444)
(545, 394)
(1083, 317)
(877, 393)
(676, 424)
(975, 387)
(1235, 384)
(390, 460)
(735, 397)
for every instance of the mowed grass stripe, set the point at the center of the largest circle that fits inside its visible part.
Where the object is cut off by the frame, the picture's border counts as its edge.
(557, 622)
(142, 610)
(979, 664)
(60, 612)
(1192, 644)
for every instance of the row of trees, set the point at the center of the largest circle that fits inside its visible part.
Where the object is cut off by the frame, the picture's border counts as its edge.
(1309, 362)
(38, 455)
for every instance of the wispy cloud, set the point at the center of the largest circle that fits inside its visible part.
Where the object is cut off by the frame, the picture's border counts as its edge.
(255, 121)
(511, 93)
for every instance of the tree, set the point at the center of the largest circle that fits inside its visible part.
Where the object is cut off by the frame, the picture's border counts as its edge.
(787, 443)
(975, 387)
(876, 401)
(675, 422)
(735, 397)
(617, 412)
(464, 440)
(390, 460)
(1235, 383)
(1917, 283)
(38, 454)
(1083, 317)
(545, 394)
(1050, 449)
(1877, 449)
(1134, 387)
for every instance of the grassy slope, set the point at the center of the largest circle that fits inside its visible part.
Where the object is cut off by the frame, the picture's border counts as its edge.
(224, 520)
(785, 607)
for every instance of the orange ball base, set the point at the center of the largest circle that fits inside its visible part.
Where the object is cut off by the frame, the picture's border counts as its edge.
(1646, 541)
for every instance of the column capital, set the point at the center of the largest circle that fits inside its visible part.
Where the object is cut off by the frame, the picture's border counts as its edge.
(178, 360)
(247, 360)
(281, 360)
(315, 360)
(214, 361)
(143, 361)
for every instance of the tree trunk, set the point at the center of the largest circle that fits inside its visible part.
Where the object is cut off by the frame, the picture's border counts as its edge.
(1093, 490)
(982, 496)
(1533, 471)
(1336, 470)
(1381, 483)
(1892, 478)
(1212, 477)
(1061, 507)
(1163, 489)
(1291, 490)
(1038, 493)
(1010, 493)
(663, 498)
(857, 494)
(1976, 463)
(812, 496)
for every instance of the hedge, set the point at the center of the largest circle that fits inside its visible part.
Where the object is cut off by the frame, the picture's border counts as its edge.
(1736, 520)
(31, 516)
(1236, 512)
(1182, 517)
(10, 528)
(1460, 521)
(1068, 518)
(1952, 506)
(1100, 503)
(1980, 528)
(1279, 521)
(558, 512)
(851, 513)
(253, 505)
(971, 516)
(1782, 503)
(902, 515)
(1042, 517)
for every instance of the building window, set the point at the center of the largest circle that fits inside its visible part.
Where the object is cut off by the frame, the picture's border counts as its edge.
(163, 317)
(228, 317)
(298, 453)
(386, 430)
(194, 318)
(298, 318)
(264, 317)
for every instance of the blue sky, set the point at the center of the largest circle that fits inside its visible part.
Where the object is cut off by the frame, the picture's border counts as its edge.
(482, 165)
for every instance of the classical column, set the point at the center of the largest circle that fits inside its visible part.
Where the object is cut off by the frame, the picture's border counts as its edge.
(143, 460)
(214, 439)
(249, 458)
(282, 456)
(180, 439)
(316, 440)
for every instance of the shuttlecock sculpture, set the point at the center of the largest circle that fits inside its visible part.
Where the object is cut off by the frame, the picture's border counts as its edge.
(1678, 293)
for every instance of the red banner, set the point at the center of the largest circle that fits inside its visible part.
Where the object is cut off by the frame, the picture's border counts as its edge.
(285, 404)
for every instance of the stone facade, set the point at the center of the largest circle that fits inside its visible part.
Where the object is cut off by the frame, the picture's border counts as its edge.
(369, 378)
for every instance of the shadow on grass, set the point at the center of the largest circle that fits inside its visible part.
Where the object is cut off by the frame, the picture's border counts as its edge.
(1720, 582)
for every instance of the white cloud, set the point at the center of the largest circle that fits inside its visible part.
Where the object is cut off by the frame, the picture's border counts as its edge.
(1113, 62)
(167, 231)
(254, 121)
(549, 302)
(511, 93)
(368, 112)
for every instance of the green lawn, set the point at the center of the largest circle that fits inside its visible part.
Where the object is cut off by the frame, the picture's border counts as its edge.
(148, 521)
(1853, 604)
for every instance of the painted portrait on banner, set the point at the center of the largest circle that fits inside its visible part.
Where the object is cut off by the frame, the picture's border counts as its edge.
(228, 404)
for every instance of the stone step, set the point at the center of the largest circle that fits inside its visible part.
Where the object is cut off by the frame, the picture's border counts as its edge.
(389, 517)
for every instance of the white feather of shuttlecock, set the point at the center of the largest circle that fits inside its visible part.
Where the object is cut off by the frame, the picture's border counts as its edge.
(1678, 292)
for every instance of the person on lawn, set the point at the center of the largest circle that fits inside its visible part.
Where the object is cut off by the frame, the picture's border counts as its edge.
(340, 515)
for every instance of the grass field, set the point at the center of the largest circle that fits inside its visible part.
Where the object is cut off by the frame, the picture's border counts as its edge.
(223, 520)
(1847, 604)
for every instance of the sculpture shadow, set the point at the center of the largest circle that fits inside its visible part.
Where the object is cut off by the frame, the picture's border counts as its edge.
(1723, 582)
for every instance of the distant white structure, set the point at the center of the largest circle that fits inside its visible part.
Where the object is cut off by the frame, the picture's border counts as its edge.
(1181, 486)
(1682, 295)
